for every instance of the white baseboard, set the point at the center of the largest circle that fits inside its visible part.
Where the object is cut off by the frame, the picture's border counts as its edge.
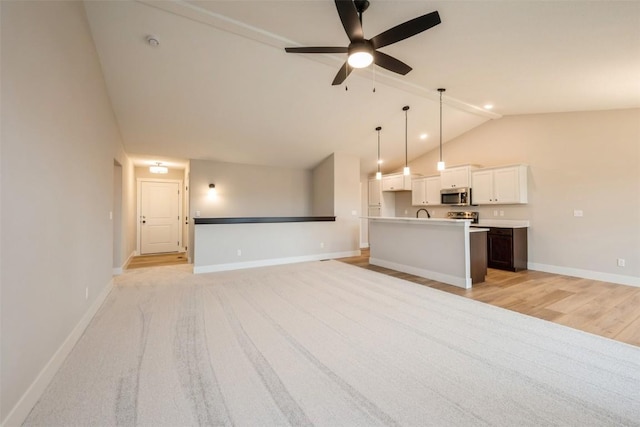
(586, 274)
(268, 262)
(364, 245)
(21, 410)
(118, 270)
(460, 282)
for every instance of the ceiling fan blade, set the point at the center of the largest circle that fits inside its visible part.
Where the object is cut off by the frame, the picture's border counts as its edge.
(406, 30)
(344, 71)
(390, 63)
(318, 49)
(350, 20)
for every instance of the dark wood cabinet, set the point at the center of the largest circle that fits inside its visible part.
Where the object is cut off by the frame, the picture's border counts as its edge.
(507, 248)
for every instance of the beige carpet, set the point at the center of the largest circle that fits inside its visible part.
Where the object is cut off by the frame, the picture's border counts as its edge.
(329, 344)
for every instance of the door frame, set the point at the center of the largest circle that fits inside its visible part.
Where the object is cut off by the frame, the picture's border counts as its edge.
(139, 182)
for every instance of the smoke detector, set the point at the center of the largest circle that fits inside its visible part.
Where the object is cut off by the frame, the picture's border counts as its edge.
(153, 41)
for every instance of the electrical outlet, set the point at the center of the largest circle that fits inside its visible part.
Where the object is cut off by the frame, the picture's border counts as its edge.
(86, 293)
(495, 213)
(406, 211)
(501, 213)
(110, 215)
(239, 252)
(354, 213)
(577, 212)
(620, 262)
(321, 244)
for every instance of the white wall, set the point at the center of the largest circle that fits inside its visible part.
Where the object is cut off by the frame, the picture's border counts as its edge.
(59, 142)
(337, 178)
(323, 188)
(247, 191)
(582, 160)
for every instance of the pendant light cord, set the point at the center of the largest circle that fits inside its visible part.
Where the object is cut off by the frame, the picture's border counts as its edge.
(406, 149)
(441, 90)
(378, 129)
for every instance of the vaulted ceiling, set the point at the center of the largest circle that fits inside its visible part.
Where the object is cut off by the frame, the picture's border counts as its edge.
(220, 86)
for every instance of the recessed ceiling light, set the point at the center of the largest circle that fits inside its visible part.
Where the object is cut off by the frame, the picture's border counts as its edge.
(488, 106)
(423, 136)
(380, 161)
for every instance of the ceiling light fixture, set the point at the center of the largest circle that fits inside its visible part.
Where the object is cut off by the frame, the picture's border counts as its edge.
(406, 170)
(379, 174)
(441, 163)
(360, 55)
(423, 136)
(158, 169)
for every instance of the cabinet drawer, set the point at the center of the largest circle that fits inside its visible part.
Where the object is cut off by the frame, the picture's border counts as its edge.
(501, 231)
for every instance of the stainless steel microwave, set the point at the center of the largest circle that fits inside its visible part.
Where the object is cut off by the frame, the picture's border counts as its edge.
(456, 196)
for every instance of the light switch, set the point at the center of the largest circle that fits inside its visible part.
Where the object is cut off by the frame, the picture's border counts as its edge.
(577, 212)
(197, 213)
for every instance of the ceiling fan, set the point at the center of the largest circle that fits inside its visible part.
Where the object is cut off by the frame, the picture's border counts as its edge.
(363, 52)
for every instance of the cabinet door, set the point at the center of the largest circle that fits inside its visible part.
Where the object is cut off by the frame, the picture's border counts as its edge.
(392, 183)
(418, 193)
(500, 251)
(482, 187)
(374, 211)
(432, 190)
(506, 185)
(374, 192)
(455, 177)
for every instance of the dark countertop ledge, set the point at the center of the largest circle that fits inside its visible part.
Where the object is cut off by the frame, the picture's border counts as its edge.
(262, 219)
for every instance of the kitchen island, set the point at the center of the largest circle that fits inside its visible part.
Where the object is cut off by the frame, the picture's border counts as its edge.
(437, 249)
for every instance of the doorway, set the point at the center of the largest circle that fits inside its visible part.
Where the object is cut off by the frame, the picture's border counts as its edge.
(159, 216)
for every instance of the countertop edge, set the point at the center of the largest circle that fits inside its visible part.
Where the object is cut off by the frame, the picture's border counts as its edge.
(263, 220)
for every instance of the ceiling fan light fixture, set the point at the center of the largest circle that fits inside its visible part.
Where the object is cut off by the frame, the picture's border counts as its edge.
(360, 55)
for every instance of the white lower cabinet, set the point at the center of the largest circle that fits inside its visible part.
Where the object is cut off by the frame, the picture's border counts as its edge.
(425, 191)
(505, 185)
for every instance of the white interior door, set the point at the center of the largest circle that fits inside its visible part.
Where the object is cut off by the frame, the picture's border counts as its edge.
(159, 217)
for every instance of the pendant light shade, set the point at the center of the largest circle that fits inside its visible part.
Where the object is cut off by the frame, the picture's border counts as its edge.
(441, 166)
(379, 174)
(406, 170)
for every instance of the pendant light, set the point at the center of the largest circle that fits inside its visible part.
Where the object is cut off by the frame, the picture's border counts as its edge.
(441, 163)
(379, 174)
(406, 170)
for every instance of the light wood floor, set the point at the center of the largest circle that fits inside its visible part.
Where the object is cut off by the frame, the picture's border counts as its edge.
(601, 308)
(157, 260)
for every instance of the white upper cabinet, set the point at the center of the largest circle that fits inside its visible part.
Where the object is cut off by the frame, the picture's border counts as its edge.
(433, 190)
(397, 182)
(458, 177)
(375, 198)
(425, 191)
(505, 185)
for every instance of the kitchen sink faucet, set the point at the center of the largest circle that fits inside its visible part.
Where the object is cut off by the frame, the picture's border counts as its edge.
(423, 209)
